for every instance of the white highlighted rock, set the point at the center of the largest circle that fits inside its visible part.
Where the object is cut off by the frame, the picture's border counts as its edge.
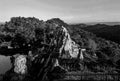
(20, 64)
(81, 53)
(69, 45)
(56, 63)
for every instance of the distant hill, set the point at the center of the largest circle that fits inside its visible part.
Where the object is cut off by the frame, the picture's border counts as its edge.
(107, 23)
(109, 32)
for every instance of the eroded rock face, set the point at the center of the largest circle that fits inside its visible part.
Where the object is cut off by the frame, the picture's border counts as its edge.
(20, 64)
(69, 45)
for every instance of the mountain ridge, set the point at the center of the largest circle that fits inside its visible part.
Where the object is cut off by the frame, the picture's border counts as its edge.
(106, 23)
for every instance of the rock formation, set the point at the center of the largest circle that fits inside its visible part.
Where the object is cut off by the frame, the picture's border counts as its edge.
(70, 46)
(20, 64)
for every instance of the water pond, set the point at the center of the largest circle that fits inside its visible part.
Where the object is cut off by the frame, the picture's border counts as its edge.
(5, 64)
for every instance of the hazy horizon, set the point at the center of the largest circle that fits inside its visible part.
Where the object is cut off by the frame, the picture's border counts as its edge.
(71, 11)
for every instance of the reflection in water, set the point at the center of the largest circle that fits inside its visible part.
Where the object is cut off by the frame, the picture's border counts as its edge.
(5, 64)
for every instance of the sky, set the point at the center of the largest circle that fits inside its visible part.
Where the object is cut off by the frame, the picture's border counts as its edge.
(71, 11)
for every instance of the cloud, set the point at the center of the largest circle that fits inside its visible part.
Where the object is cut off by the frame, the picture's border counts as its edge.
(68, 10)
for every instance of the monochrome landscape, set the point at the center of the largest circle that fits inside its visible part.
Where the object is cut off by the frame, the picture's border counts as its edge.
(57, 40)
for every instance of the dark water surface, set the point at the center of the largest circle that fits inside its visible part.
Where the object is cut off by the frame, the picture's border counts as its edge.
(5, 64)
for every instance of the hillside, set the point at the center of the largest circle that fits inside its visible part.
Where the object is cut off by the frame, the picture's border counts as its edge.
(31, 34)
(102, 30)
(107, 52)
